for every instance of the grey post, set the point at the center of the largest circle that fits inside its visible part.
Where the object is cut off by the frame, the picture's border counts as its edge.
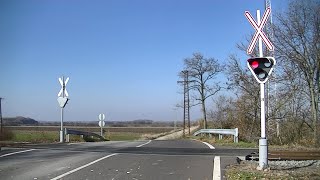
(101, 133)
(61, 126)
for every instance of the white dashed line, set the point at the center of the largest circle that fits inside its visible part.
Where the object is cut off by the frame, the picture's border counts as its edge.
(144, 144)
(209, 145)
(81, 167)
(9, 154)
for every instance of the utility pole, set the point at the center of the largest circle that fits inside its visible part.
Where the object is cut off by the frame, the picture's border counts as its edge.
(186, 100)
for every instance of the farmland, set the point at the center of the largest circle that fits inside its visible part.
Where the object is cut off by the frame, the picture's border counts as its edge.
(46, 134)
(93, 129)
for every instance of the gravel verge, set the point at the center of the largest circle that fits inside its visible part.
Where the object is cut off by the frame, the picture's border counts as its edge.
(277, 170)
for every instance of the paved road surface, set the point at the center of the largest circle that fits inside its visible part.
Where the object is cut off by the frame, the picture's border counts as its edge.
(148, 160)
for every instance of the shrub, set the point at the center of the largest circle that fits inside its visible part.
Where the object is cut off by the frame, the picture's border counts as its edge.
(6, 135)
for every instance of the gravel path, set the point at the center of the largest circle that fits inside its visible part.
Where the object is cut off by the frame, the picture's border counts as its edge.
(176, 135)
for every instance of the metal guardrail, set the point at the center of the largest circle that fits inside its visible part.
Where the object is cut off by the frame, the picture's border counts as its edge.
(221, 132)
(83, 133)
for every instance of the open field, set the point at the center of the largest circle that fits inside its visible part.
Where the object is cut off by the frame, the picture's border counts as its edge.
(94, 129)
(47, 134)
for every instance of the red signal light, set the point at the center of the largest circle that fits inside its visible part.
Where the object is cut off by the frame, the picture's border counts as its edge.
(255, 64)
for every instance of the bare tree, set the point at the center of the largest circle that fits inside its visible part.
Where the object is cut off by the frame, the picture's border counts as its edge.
(297, 41)
(224, 113)
(202, 72)
(247, 89)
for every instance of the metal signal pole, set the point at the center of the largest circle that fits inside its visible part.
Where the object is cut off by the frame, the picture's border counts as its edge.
(61, 117)
(62, 100)
(265, 67)
(263, 144)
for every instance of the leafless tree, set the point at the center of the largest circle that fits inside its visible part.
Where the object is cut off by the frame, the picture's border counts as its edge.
(202, 72)
(247, 104)
(297, 41)
(224, 112)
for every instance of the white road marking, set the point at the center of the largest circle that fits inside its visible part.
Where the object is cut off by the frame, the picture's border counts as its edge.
(209, 145)
(9, 154)
(216, 168)
(75, 143)
(144, 144)
(81, 167)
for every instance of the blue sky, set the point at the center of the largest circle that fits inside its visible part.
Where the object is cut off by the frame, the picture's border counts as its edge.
(122, 56)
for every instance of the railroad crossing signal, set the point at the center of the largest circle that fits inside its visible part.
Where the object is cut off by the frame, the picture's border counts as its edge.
(259, 27)
(63, 90)
(261, 67)
(62, 101)
(63, 93)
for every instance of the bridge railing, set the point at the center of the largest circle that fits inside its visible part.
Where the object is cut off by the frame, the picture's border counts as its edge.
(221, 132)
(81, 133)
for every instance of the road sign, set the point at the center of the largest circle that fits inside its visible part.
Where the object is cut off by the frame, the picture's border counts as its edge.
(259, 33)
(62, 101)
(102, 123)
(63, 90)
(102, 117)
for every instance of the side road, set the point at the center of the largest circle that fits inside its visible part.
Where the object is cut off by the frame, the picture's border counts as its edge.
(177, 135)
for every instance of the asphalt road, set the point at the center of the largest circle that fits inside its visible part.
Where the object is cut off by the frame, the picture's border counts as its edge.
(148, 160)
